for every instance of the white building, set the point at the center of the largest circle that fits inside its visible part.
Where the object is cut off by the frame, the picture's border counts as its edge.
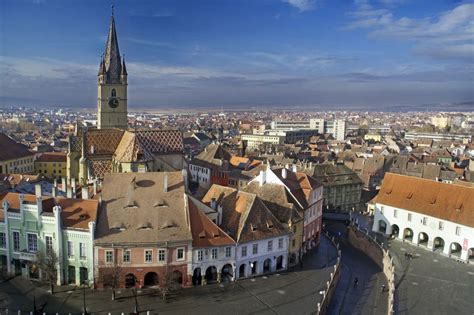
(262, 241)
(213, 252)
(427, 213)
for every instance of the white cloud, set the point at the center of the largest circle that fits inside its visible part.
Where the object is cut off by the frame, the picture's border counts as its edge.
(302, 5)
(452, 32)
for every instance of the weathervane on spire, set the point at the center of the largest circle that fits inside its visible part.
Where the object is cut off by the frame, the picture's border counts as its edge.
(112, 6)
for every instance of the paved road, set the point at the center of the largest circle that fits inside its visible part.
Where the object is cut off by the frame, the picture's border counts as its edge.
(431, 283)
(367, 297)
(295, 292)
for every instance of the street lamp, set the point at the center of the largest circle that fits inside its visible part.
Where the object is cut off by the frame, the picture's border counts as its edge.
(135, 310)
(84, 297)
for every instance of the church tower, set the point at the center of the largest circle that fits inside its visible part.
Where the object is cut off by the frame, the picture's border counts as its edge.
(112, 85)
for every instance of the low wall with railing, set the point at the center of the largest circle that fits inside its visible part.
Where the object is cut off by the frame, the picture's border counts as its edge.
(363, 241)
(328, 292)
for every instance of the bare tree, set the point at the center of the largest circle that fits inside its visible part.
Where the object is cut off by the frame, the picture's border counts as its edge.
(111, 276)
(169, 283)
(48, 264)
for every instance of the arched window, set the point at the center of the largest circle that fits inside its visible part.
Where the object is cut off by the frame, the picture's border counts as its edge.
(114, 93)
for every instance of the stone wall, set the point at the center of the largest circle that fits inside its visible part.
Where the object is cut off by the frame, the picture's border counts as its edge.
(365, 243)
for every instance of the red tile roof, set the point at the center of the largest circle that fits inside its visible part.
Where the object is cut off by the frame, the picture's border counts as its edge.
(448, 202)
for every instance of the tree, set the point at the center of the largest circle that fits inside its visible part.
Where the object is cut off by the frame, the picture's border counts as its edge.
(169, 283)
(48, 264)
(111, 276)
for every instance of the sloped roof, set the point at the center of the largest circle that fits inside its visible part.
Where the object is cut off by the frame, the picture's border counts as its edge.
(212, 154)
(448, 202)
(244, 216)
(276, 199)
(131, 149)
(299, 184)
(10, 149)
(52, 157)
(205, 232)
(75, 213)
(136, 209)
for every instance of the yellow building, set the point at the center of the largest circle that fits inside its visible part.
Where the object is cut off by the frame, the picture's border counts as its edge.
(52, 164)
(373, 136)
(15, 157)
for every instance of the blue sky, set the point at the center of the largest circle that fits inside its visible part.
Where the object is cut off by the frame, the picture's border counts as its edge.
(230, 53)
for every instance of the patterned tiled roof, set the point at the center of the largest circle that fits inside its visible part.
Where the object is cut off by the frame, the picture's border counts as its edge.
(99, 168)
(102, 141)
(161, 141)
(131, 149)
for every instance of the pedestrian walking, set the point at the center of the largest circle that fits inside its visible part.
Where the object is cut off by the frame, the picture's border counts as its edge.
(356, 281)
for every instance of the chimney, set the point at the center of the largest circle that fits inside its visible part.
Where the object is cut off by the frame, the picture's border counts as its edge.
(54, 191)
(73, 187)
(294, 169)
(283, 173)
(287, 166)
(263, 177)
(165, 183)
(94, 183)
(184, 172)
(63, 184)
(219, 215)
(85, 192)
(213, 203)
(38, 190)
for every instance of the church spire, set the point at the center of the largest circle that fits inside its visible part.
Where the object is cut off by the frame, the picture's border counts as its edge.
(112, 62)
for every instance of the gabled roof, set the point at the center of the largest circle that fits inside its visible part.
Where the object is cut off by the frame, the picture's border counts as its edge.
(213, 153)
(299, 184)
(10, 149)
(244, 216)
(448, 202)
(205, 232)
(131, 149)
(276, 199)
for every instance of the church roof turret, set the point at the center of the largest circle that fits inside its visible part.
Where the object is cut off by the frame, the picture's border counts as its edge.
(124, 68)
(112, 62)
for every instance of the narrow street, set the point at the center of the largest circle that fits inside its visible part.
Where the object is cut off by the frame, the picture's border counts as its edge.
(365, 298)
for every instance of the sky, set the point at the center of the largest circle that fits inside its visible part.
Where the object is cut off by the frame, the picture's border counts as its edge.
(241, 53)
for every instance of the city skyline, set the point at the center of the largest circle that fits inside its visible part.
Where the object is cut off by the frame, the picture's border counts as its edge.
(366, 53)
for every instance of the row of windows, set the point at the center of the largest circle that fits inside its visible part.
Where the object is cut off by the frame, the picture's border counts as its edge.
(71, 252)
(45, 164)
(21, 162)
(424, 220)
(214, 253)
(148, 255)
(255, 247)
(46, 171)
(199, 169)
(31, 238)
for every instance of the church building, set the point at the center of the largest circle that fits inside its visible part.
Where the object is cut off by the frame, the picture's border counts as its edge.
(112, 147)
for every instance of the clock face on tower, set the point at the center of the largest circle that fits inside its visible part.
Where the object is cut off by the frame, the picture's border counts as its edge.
(113, 102)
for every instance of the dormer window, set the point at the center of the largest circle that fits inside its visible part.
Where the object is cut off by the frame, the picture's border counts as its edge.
(253, 227)
(113, 93)
(160, 203)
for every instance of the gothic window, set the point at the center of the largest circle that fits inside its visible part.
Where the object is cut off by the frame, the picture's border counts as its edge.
(114, 93)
